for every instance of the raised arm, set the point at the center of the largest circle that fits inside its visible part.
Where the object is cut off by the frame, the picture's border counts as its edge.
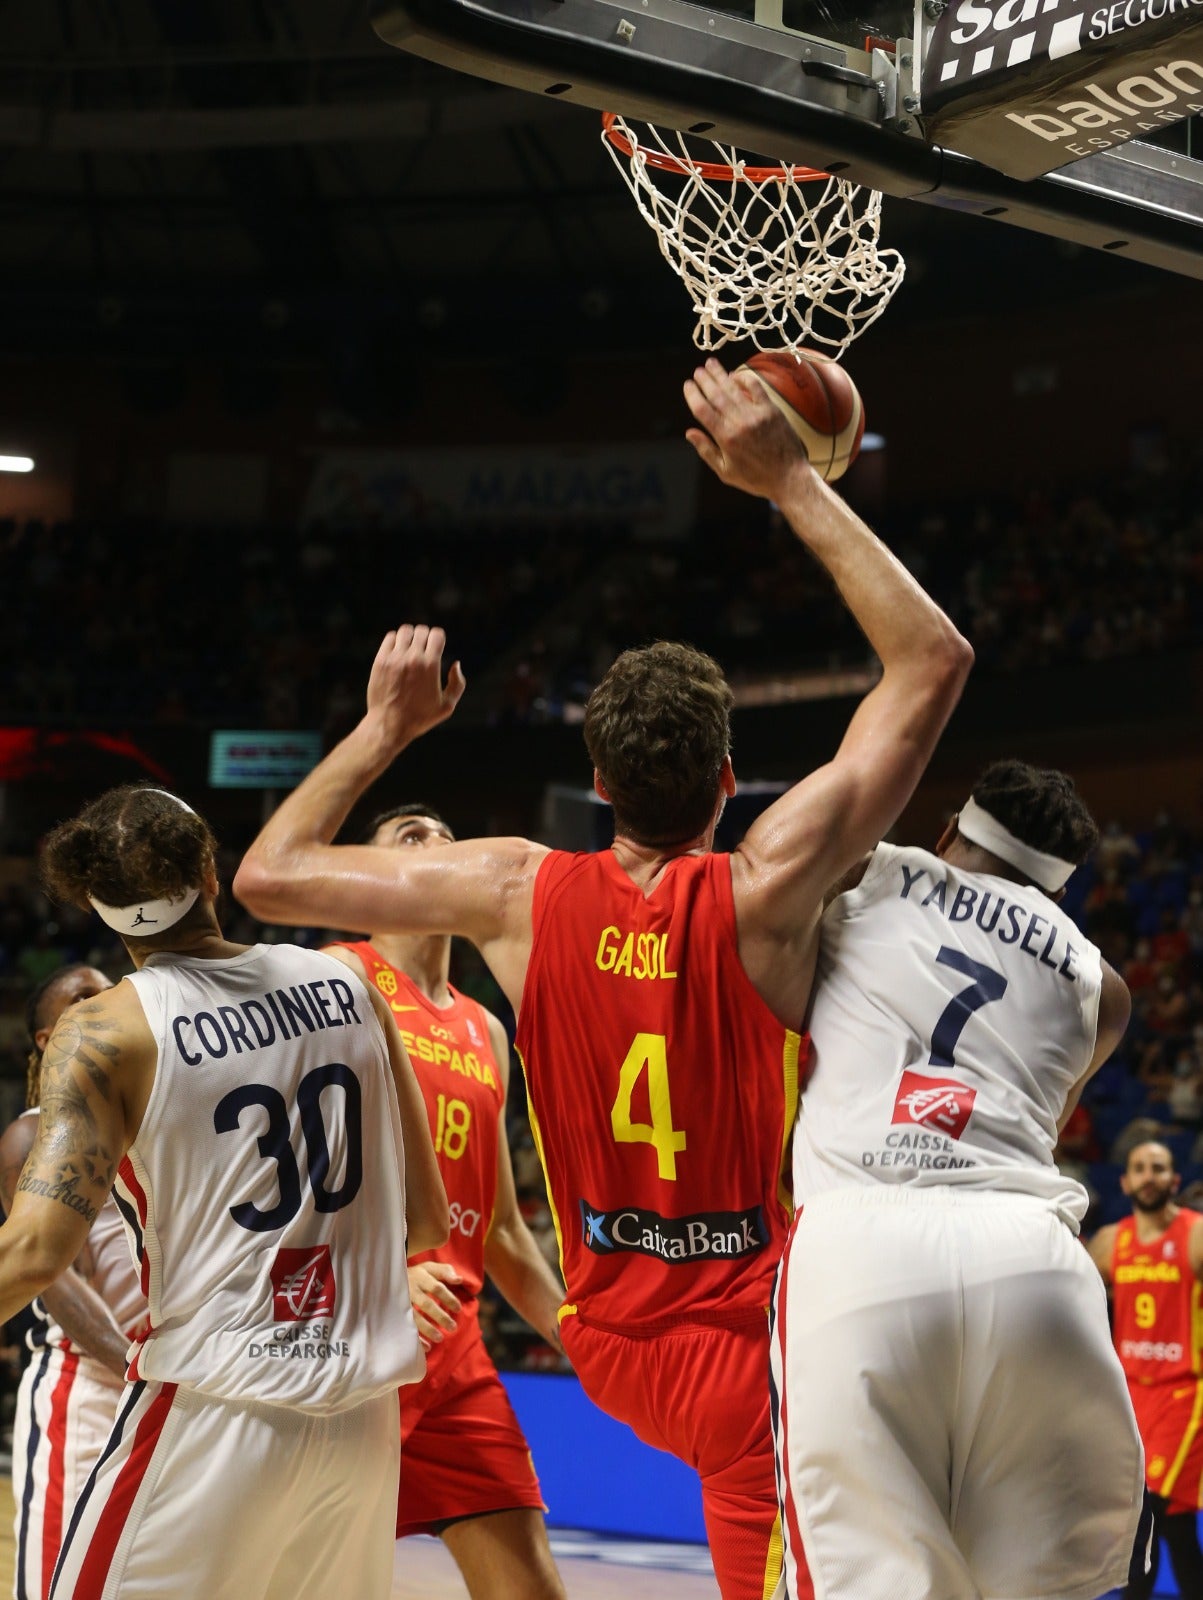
(480, 888)
(81, 1138)
(812, 836)
(70, 1300)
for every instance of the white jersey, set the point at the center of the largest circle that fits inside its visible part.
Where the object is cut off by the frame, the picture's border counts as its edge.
(953, 1012)
(264, 1193)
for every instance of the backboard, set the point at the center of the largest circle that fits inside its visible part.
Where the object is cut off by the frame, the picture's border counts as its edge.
(865, 89)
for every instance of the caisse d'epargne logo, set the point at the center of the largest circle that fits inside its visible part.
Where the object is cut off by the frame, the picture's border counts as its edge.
(939, 1103)
(303, 1287)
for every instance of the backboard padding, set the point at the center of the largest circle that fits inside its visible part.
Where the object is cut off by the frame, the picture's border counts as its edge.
(799, 99)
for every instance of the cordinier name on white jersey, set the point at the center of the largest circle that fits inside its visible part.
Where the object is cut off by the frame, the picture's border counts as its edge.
(266, 1019)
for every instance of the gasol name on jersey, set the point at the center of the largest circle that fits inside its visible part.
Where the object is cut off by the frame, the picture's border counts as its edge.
(700, 1237)
(277, 1016)
(1010, 922)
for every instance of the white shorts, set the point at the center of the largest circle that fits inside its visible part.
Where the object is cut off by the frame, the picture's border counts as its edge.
(203, 1499)
(951, 1419)
(66, 1403)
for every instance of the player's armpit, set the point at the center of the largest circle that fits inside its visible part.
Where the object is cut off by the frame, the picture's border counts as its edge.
(849, 881)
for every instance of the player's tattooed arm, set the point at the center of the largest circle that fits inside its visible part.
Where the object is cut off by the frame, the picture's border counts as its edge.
(79, 1144)
(95, 1073)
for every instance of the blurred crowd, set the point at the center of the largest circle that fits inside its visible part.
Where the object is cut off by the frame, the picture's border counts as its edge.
(1034, 583)
(274, 629)
(280, 625)
(1141, 901)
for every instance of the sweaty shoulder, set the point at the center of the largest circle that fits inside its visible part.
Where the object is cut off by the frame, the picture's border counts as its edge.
(348, 958)
(513, 865)
(777, 954)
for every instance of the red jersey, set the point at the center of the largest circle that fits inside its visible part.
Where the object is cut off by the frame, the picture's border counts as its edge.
(662, 1093)
(1158, 1303)
(461, 1084)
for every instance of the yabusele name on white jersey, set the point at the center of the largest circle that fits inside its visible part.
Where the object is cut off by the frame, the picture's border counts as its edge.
(929, 1117)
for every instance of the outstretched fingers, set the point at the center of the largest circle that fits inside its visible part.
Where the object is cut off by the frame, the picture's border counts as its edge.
(704, 393)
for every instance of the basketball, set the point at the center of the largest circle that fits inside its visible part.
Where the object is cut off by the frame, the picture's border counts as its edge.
(819, 401)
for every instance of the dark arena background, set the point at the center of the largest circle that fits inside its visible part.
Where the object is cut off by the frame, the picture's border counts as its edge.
(302, 336)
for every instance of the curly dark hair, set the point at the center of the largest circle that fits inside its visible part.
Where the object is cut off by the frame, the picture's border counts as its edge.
(657, 728)
(133, 843)
(1040, 806)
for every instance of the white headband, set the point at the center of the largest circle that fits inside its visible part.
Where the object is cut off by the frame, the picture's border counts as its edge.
(147, 917)
(978, 826)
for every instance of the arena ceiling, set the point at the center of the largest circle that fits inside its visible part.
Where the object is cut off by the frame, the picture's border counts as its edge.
(184, 174)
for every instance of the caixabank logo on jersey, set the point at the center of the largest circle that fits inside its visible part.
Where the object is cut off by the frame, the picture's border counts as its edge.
(706, 1235)
(1030, 85)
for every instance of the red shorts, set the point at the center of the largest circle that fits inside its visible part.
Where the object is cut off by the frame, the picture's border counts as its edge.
(1170, 1419)
(700, 1392)
(462, 1451)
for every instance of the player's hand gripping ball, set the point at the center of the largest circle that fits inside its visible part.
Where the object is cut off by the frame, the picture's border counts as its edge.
(819, 401)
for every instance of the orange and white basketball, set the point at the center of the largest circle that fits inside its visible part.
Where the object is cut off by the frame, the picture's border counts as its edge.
(820, 402)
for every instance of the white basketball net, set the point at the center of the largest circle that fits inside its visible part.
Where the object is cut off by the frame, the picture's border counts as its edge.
(779, 259)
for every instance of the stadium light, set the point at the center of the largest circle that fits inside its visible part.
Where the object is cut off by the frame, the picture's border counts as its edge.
(873, 441)
(16, 463)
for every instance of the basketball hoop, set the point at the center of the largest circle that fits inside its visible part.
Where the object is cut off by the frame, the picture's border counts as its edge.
(783, 256)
